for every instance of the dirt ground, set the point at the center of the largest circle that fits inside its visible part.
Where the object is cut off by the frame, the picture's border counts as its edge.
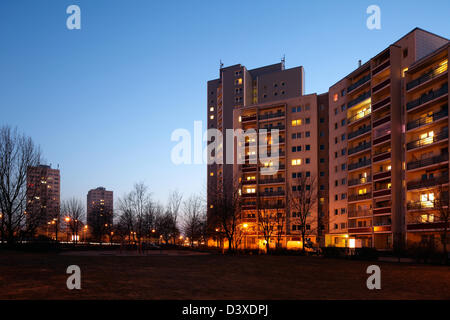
(191, 276)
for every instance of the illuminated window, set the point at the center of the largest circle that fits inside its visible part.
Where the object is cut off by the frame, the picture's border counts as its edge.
(296, 122)
(335, 97)
(362, 191)
(238, 81)
(296, 162)
(211, 174)
(240, 119)
(403, 72)
(211, 109)
(211, 117)
(250, 190)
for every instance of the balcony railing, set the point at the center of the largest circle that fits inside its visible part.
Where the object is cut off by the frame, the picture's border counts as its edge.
(427, 119)
(271, 194)
(359, 197)
(246, 182)
(354, 182)
(428, 140)
(435, 72)
(427, 161)
(381, 67)
(381, 85)
(420, 205)
(361, 147)
(269, 181)
(358, 83)
(359, 132)
(385, 137)
(248, 118)
(381, 156)
(381, 103)
(427, 97)
(382, 192)
(358, 99)
(381, 175)
(379, 121)
(278, 127)
(359, 164)
(359, 213)
(359, 115)
(271, 115)
(425, 183)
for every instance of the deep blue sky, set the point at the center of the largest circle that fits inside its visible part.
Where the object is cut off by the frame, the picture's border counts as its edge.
(103, 101)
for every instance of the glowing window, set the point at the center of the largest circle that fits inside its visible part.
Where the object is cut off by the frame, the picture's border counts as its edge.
(296, 122)
(296, 162)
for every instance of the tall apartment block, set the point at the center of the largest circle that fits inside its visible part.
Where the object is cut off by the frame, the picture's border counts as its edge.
(43, 196)
(425, 114)
(368, 125)
(100, 206)
(377, 142)
(270, 97)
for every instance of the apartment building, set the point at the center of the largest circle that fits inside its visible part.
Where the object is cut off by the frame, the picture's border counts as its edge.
(238, 87)
(426, 137)
(43, 198)
(100, 207)
(377, 142)
(366, 146)
(270, 193)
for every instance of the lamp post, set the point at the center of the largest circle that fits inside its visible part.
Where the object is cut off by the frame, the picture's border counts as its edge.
(67, 220)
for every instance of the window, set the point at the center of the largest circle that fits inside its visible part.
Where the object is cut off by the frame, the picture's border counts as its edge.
(294, 149)
(294, 109)
(343, 181)
(335, 125)
(307, 107)
(335, 97)
(238, 81)
(322, 120)
(211, 117)
(296, 122)
(294, 175)
(405, 52)
(343, 151)
(296, 162)
(343, 122)
(343, 107)
(299, 135)
(322, 147)
(307, 160)
(308, 173)
(343, 225)
(322, 134)
(343, 166)
(299, 148)
(343, 137)
(336, 197)
(322, 174)
(299, 109)
(307, 134)
(336, 212)
(322, 160)
(307, 120)
(308, 147)
(294, 135)
(343, 196)
(322, 187)
(335, 226)
(342, 210)
(211, 109)
(342, 92)
(336, 111)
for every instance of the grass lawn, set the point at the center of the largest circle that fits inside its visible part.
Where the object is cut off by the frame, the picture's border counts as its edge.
(167, 276)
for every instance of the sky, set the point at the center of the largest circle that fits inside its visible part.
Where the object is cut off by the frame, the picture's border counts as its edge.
(103, 101)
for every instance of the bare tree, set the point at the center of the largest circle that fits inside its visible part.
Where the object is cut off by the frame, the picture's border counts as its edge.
(267, 218)
(302, 198)
(74, 213)
(165, 226)
(135, 208)
(173, 208)
(226, 214)
(17, 153)
(194, 213)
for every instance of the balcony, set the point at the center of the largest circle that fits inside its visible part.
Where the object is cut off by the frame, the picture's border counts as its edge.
(359, 164)
(359, 197)
(359, 115)
(381, 85)
(278, 127)
(434, 73)
(358, 99)
(427, 162)
(271, 115)
(355, 182)
(427, 97)
(426, 183)
(248, 167)
(381, 193)
(381, 139)
(361, 147)
(379, 121)
(249, 195)
(359, 213)
(271, 181)
(381, 156)
(381, 67)
(248, 182)
(358, 83)
(271, 194)
(419, 205)
(381, 103)
(382, 175)
(359, 132)
(428, 140)
(248, 118)
(427, 119)
(384, 210)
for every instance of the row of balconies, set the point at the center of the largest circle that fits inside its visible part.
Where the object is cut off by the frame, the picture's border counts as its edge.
(361, 147)
(359, 164)
(433, 73)
(354, 182)
(264, 181)
(428, 140)
(427, 161)
(359, 132)
(358, 99)
(271, 115)
(429, 182)
(358, 83)
(427, 97)
(427, 119)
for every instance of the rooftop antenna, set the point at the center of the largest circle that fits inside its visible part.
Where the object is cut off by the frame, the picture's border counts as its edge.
(283, 60)
(221, 64)
(359, 63)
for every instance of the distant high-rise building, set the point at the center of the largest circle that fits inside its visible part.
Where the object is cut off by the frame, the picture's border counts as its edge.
(100, 207)
(43, 196)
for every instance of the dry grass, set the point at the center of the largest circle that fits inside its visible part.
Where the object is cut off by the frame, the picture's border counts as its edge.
(42, 276)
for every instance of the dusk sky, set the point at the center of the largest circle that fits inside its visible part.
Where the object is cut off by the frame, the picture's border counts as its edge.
(103, 101)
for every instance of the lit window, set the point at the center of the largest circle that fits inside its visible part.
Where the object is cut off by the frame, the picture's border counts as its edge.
(296, 162)
(211, 117)
(211, 109)
(296, 122)
(211, 174)
(335, 97)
